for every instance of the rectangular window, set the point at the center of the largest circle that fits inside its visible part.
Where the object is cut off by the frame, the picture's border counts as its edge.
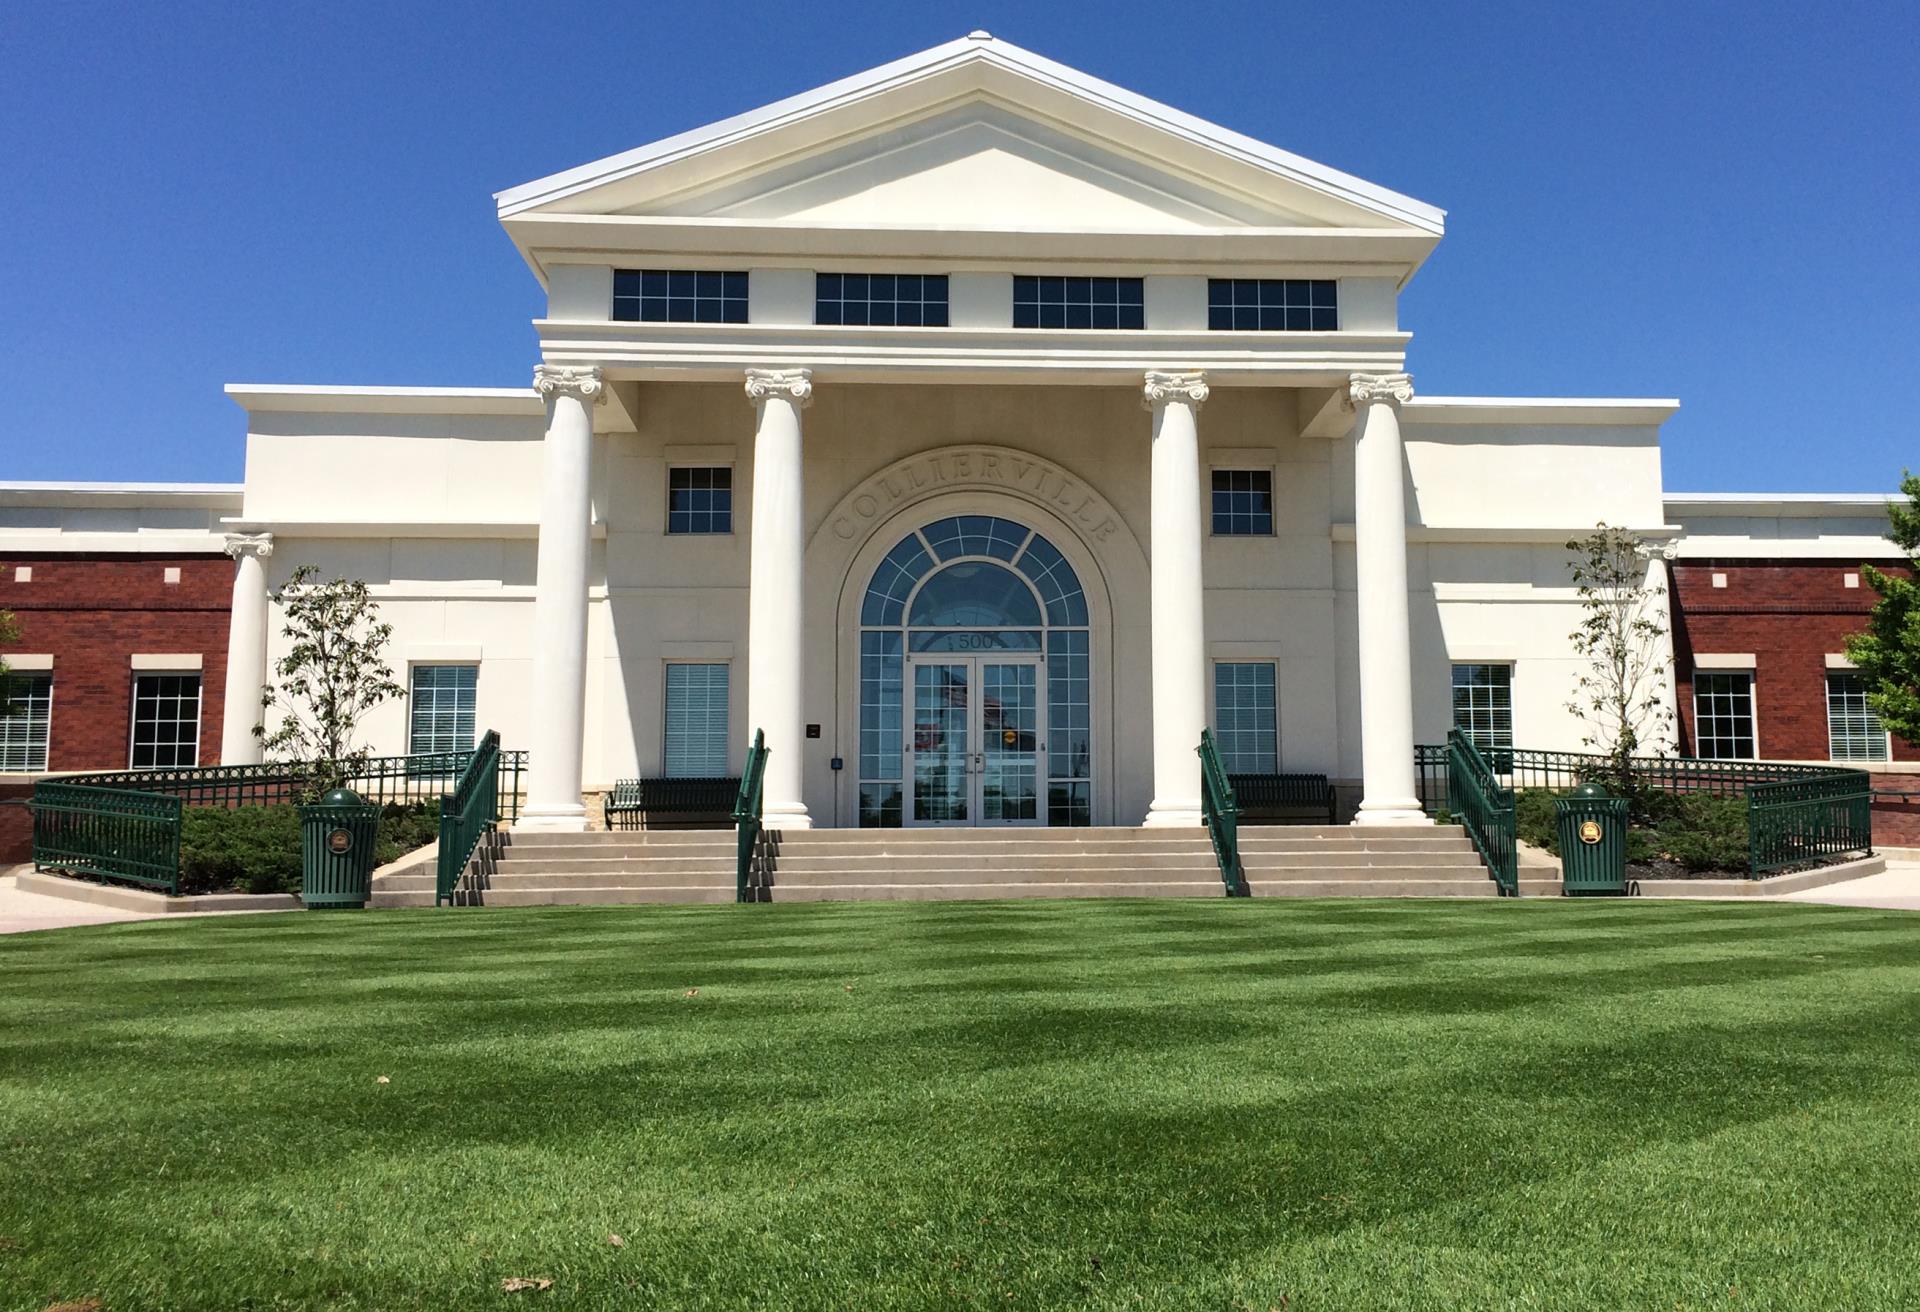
(700, 500)
(1044, 302)
(696, 746)
(26, 717)
(1483, 705)
(166, 721)
(441, 708)
(680, 295)
(1854, 732)
(1294, 305)
(1723, 715)
(1246, 717)
(1242, 502)
(889, 300)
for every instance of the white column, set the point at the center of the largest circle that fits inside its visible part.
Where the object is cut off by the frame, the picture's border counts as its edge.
(1388, 795)
(246, 649)
(1179, 627)
(775, 583)
(560, 602)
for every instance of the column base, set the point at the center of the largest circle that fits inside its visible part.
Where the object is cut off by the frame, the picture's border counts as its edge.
(1173, 815)
(787, 816)
(1392, 811)
(560, 819)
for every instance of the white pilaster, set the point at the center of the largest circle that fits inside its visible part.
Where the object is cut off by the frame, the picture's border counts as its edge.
(246, 649)
(560, 602)
(1179, 628)
(775, 584)
(1388, 794)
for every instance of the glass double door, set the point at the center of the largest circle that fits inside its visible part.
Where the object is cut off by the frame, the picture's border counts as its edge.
(975, 752)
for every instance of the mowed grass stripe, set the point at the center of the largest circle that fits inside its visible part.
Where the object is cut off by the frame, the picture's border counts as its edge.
(1108, 1104)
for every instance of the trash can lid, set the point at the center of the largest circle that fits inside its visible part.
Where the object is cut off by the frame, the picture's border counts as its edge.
(343, 797)
(1591, 789)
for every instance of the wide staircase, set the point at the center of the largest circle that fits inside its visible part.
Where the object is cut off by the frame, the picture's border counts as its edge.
(822, 865)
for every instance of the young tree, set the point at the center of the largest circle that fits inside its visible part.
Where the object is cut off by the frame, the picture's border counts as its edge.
(1888, 653)
(9, 632)
(334, 672)
(1621, 695)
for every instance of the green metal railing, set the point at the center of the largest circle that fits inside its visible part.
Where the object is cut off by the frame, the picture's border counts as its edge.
(382, 780)
(467, 814)
(1478, 801)
(1221, 815)
(109, 833)
(1815, 820)
(1797, 815)
(751, 873)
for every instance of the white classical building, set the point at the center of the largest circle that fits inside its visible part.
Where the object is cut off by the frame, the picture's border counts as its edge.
(978, 430)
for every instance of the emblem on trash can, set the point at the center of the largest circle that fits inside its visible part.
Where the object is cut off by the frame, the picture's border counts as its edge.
(340, 841)
(1589, 831)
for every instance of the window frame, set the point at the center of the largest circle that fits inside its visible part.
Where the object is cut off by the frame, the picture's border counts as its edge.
(199, 717)
(675, 466)
(868, 319)
(1214, 514)
(723, 298)
(1453, 705)
(1282, 305)
(46, 761)
(666, 715)
(1886, 735)
(1043, 301)
(1753, 712)
(1272, 665)
(413, 671)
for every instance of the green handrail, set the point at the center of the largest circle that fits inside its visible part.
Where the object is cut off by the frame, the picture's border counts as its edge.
(467, 814)
(1221, 815)
(109, 833)
(1477, 800)
(751, 882)
(1815, 820)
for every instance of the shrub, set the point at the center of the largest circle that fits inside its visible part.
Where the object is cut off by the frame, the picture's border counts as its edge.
(256, 849)
(1694, 830)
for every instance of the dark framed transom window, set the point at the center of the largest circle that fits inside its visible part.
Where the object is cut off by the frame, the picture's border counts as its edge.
(441, 708)
(888, 300)
(1273, 305)
(1723, 715)
(680, 295)
(1046, 302)
(1242, 502)
(700, 499)
(1854, 731)
(166, 721)
(1483, 705)
(1246, 716)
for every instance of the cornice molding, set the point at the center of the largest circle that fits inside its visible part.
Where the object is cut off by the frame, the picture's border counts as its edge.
(1374, 389)
(795, 385)
(552, 380)
(1162, 387)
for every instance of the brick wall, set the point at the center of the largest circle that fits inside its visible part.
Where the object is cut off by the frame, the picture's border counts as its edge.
(93, 613)
(1790, 615)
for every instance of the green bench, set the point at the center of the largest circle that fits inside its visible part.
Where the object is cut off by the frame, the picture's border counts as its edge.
(672, 803)
(1275, 797)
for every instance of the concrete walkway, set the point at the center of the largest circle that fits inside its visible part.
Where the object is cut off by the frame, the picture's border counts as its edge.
(21, 911)
(1896, 890)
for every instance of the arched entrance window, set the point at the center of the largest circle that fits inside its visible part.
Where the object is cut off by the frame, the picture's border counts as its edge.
(975, 681)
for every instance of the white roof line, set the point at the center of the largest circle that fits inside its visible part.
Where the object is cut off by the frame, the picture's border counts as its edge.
(144, 489)
(1801, 498)
(1620, 402)
(952, 54)
(327, 389)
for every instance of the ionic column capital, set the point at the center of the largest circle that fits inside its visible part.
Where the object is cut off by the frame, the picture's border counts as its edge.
(1164, 387)
(1368, 389)
(551, 380)
(795, 385)
(259, 545)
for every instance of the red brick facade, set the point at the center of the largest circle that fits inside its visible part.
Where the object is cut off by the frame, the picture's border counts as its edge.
(93, 614)
(1790, 615)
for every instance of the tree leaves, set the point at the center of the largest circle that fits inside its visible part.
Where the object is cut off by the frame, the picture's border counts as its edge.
(1888, 653)
(1621, 695)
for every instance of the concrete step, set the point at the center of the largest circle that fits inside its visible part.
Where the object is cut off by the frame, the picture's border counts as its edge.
(522, 880)
(653, 837)
(785, 879)
(881, 863)
(934, 892)
(574, 864)
(1379, 887)
(602, 895)
(386, 897)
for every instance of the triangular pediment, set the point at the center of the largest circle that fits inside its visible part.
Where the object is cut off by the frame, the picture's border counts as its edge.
(974, 134)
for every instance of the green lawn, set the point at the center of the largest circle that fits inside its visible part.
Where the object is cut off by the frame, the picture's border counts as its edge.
(1116, 1104)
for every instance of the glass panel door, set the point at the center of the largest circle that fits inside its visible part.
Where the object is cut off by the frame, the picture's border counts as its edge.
(937, 751)
(1009, 734)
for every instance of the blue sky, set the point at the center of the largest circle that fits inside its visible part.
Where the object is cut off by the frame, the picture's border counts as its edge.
(1711, 201)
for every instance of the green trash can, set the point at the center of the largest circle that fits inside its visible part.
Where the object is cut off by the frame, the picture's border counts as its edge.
(1593, 842)
(336, 850)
